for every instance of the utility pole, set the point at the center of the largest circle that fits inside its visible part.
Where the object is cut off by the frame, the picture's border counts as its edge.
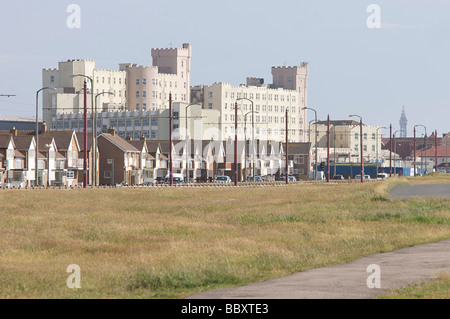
(328, 149)
(287, 145)
(85, 139)
(235, 145)
(170, 140)
(390, 153)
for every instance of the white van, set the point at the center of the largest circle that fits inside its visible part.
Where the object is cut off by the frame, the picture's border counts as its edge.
(382, 176)
(177, 178)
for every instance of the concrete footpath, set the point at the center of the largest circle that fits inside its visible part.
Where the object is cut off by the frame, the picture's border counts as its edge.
(397, 269)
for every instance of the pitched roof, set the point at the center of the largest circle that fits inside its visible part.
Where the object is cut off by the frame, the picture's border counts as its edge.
(299, 148)
(4, 141)
(23, 142)
(80, 139)
(18, 154)
(119, 142)
(442, 151)
(138, 144)
(62, 138)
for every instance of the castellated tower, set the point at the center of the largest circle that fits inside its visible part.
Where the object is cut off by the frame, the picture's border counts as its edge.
(174, 65)
(403, 124)
(294, 78)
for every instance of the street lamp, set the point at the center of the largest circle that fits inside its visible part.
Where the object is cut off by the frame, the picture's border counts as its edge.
(94, 145)
(37, 132)
(94, 122)
(187, 158)
(245, 139)
(253, 135)
(47, 146)
(287, 145)
(395, 152)
(361, 139)
(378, 159)
(315, 165)
(415, 147)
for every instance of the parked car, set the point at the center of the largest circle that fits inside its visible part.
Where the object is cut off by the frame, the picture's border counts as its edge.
(292, 179)
(222, 179)
(359, 176)
(382, 175)
(340, 177)
(255, 179)
(177, 179)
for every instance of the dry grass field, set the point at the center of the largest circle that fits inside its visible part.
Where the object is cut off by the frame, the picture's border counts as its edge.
(170, 243)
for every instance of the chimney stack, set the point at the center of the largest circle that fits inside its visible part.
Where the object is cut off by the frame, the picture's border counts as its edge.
(13, 131)
(112, 131)
(44, 128)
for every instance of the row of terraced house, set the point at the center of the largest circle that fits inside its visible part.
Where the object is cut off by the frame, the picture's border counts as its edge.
(136, 162)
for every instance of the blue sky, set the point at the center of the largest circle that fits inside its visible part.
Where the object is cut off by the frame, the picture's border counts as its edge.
(353, 69)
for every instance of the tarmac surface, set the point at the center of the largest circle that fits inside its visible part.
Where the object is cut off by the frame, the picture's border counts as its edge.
(358, 279)
(425, 190)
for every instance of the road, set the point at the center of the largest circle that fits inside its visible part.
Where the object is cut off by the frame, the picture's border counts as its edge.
(424, 190)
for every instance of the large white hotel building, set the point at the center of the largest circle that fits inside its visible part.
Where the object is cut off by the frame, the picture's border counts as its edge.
(139, 100)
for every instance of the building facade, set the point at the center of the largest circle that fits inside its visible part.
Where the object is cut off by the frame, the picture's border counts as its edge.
(131, 88)
(261, 107)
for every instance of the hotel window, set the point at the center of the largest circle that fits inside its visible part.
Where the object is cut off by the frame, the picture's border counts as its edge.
(137, 107)
(52, 79)
(144, 94)
(137, 81)
(365, 148)
(153, 81)
(144, 107)
(365, 136)
(373, 148)
(210, 95)
(144, 81)
(137, 94)
(120, 80)
(210, 106)
(356, 136)
(373, 136)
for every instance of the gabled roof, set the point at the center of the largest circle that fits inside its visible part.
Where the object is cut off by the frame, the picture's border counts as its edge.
(80, 140)
(62, 138)
(4, 141)
(139, 144)
(23, 142)
(19, 154)
(119, 142)
(299, 148)
(442, 151)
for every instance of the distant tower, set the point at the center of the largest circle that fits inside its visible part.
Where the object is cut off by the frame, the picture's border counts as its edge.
(403, 124)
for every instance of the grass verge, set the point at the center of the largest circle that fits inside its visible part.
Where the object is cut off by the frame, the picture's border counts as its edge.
(170, 243)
